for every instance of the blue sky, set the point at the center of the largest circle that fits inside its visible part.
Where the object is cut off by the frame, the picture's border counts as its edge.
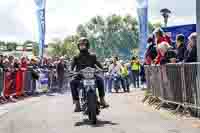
(18, 18)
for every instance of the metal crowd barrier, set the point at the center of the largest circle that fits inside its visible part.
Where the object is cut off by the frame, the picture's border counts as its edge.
(175, 83)
(20, 81)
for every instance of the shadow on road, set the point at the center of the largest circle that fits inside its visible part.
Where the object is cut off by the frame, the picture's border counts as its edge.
(100, 123)
(56, 93)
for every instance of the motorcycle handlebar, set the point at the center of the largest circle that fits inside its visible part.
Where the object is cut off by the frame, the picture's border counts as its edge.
(73, 73)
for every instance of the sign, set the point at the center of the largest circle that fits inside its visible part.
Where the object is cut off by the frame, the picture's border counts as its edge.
(41, 24)
(142, 9)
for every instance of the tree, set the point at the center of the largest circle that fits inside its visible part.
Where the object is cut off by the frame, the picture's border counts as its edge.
(152, 27)
(34, 45)
(112, 35)
(3, 45)
(67, 47)
(81, 31)
(11, 46)
(108, 36)
(35, 49)
(55, 45)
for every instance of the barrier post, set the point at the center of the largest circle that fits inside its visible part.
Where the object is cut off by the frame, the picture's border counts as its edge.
(198, 50)
(1, 81)
(183, 85)
(198, 88)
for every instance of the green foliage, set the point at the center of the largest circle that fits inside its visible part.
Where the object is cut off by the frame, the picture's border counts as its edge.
(108, 35)
(153, 26)
(11, 46)
(34, 45)
(66, 48)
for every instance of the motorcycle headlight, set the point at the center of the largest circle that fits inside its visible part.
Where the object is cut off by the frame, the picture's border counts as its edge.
(88, 75)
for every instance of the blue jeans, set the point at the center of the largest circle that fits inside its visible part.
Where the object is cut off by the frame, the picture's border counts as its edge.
(135, 78)
(33, 86)
(106, 84)
(114, 81)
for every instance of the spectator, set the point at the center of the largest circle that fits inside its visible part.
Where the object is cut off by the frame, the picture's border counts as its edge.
(11, 62)
(191, 52)
(160, 36)
(124, 77)
(24, 63)
(35, 75)
(135, 69)
(6, 64)
(142, 74)
(44, 63)
(60, 72)
(16, 63)
(151, 52)
(1, 61)
(50, 63)
(107, 63)
(52, 73)
(180, 44)
(5, 57)
(167, 54)
(114, 71)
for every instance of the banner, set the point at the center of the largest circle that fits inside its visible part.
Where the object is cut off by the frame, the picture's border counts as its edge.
(41, 24)
(42, 83)
(142, 10)
(186, 30)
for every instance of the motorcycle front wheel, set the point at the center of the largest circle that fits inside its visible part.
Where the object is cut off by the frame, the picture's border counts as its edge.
(92, 107)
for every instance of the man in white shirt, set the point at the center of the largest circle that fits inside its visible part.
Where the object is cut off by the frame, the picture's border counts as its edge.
(114, 71)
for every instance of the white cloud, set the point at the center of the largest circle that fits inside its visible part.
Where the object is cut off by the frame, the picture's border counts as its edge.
(18, 18)
(62, 16)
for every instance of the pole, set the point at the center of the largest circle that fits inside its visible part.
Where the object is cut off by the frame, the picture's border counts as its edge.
(198, 28)
(198, 49)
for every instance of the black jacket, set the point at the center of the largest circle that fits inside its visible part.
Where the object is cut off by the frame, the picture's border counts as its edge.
(83, 60)
(151, 51)
(191, 55)
(180, 53)
(60, 69)
(168, 55)
(33, 68)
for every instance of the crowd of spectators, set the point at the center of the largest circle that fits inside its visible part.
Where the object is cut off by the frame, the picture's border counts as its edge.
(161, 49)
(11, 68)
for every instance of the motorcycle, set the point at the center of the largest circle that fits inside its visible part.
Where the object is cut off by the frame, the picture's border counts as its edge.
(87, 93)
(116, 83)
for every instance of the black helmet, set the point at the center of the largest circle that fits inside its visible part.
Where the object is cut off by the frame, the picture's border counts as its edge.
(83, 40)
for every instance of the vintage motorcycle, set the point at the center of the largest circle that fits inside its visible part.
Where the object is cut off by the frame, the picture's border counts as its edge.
(87, 92)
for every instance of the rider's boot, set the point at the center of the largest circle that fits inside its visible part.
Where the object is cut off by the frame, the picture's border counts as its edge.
(103, 103)
(77, 106)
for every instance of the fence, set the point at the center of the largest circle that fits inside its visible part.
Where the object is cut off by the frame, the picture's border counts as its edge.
(21, 81)
(175, 83)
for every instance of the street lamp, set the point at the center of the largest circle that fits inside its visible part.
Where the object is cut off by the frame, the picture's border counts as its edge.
(165, 13)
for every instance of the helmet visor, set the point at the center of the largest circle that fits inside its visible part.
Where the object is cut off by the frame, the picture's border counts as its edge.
(83, 44)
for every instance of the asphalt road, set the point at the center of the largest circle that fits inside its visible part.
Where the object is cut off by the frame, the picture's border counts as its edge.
(53, 114)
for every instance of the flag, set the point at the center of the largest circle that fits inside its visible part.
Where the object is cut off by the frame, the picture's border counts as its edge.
(41, 24)
(142, 11)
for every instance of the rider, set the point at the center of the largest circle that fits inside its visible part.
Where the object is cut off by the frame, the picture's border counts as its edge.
(83, 60)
